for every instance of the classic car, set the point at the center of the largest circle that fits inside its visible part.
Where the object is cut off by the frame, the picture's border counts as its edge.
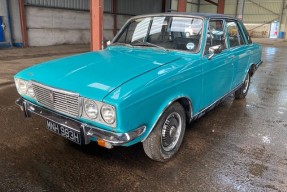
(160, 72)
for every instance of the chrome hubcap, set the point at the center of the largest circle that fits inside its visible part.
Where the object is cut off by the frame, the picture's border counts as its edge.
(246, 84)
(171, 131)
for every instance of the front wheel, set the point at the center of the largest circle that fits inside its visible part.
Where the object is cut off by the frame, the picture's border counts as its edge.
(243, 90)
(166, 137)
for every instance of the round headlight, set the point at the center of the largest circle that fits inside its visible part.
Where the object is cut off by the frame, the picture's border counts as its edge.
(108, 114)
(30, 91)
(91, 109)
(22, 86)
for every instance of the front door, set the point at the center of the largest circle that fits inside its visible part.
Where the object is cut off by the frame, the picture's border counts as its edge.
(239, 50)
(217, 71)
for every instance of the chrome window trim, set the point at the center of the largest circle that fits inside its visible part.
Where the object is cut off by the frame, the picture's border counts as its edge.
(225, 33)
(164, 15)
(238, 27)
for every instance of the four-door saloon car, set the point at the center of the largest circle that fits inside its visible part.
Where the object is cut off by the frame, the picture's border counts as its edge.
(160, 72)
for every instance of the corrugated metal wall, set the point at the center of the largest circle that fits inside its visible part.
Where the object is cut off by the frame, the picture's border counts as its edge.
(262, 11)
(132, 7)
(137, 7)
(67, 4)
(192, 5)
(230, 7)
(259, 14)
(256, 11)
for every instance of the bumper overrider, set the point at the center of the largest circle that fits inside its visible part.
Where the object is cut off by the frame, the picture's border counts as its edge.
(87, 132)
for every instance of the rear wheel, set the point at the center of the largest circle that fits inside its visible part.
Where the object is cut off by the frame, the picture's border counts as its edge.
(243, 90)
(166, 137)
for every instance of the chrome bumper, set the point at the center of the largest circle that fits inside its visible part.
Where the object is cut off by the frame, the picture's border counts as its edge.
(88, 132)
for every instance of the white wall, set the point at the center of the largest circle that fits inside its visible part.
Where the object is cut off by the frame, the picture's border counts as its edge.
(15, 21)
(48, 26)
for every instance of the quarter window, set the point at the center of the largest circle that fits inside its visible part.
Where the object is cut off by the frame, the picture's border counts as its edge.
(215, 35)
(235, 35)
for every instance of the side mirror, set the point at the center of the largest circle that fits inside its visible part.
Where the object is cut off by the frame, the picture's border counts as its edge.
(214, 50)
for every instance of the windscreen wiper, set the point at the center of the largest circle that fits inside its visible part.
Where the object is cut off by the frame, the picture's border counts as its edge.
(121, 44)
(141, 43)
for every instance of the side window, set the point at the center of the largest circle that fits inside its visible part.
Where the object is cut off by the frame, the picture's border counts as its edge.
(215, 35)
(246, 33)
(235, 35)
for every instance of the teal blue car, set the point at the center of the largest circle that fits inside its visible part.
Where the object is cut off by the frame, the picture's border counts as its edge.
(159, 73)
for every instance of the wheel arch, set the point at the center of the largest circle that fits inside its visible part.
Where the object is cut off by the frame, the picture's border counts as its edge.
(252, 69)
(184, 101)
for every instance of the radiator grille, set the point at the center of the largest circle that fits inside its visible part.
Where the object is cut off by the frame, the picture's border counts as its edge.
(57, 100)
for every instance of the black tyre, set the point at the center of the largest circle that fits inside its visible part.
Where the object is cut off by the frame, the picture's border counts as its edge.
(166, 137)
(243, 90)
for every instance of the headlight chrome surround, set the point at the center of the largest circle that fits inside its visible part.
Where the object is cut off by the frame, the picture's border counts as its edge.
(30, 90)
(91, 108)
(102, 115)
(108, 113)
(24, 87)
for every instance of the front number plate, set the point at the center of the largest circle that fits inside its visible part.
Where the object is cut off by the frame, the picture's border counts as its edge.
(66, 132)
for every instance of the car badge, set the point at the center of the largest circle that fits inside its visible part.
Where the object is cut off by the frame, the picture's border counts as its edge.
(51, 96)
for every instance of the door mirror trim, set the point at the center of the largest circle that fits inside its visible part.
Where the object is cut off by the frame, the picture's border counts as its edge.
(214, 50)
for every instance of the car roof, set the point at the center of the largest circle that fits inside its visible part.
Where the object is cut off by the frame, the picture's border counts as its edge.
(190, 14)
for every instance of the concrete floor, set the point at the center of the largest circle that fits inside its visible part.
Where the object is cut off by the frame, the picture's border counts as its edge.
(238, 146)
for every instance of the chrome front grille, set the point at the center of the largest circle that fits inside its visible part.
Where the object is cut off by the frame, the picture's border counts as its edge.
(57, 100)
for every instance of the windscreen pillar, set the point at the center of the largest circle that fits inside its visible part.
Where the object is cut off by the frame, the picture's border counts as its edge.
(181, 6)
(220, 6)
(96, 14)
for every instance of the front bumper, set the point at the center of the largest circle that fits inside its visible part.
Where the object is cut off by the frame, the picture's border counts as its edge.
(88, 133)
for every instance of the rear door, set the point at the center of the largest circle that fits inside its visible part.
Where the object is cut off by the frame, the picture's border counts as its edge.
(217, 71)
(239, 50)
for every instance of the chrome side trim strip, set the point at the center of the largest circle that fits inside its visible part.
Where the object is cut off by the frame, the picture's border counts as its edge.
(211, 106)
(199, 114)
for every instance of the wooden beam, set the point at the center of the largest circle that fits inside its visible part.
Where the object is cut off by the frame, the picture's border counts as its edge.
(220, 6)
(163, 4)
(181, 6)
(96, 12)
(211, 2)
(115, 28)
(23, 23)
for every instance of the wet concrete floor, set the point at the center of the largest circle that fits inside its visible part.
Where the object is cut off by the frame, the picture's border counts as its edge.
(238, 146)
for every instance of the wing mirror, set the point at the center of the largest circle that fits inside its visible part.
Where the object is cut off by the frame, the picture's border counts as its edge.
(214, 50)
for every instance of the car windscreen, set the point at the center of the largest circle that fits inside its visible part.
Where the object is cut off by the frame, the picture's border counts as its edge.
(180, 33)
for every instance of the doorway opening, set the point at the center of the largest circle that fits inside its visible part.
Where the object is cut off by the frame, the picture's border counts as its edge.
(274, 29)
